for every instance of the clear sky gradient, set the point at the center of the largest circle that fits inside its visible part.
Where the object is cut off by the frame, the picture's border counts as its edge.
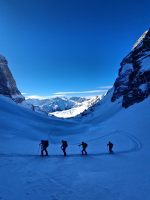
(59, 47)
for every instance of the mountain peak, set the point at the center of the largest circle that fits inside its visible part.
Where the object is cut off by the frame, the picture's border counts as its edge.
(139, 42)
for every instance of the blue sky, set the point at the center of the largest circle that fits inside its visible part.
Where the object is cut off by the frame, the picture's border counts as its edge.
(69, 47)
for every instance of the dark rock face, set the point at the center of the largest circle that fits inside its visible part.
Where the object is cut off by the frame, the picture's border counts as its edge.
(7, 83)
(133, 81)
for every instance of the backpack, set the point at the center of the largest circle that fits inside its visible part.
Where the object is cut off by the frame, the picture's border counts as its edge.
(111, 145)
(65, 143)
(85, 145)
(45, 143)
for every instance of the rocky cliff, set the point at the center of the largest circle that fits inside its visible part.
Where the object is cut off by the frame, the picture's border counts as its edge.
(7, 83)
(133, 81)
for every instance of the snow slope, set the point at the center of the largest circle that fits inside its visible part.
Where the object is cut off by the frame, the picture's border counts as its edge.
(122, 176)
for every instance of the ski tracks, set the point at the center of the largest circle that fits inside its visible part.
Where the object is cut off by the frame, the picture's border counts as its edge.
(137, 145)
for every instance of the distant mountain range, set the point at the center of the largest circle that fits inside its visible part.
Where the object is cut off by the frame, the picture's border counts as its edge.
(80, 108)
(54, 106)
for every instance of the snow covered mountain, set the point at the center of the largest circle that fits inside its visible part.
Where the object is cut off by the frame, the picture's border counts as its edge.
(7, 83)
(56, 104)
(80, 108)
(133, 82)
(61, 106)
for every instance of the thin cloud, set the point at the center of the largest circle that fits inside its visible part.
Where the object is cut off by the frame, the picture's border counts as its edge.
(42, 97)
(81, 92)
(37, 97)
(102, 91)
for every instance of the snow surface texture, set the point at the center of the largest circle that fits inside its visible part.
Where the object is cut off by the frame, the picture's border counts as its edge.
(123, 175)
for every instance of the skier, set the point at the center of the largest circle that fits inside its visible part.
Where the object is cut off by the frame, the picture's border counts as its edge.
(44, 145)
(64, 146)
(110, 146)
(84, 146)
